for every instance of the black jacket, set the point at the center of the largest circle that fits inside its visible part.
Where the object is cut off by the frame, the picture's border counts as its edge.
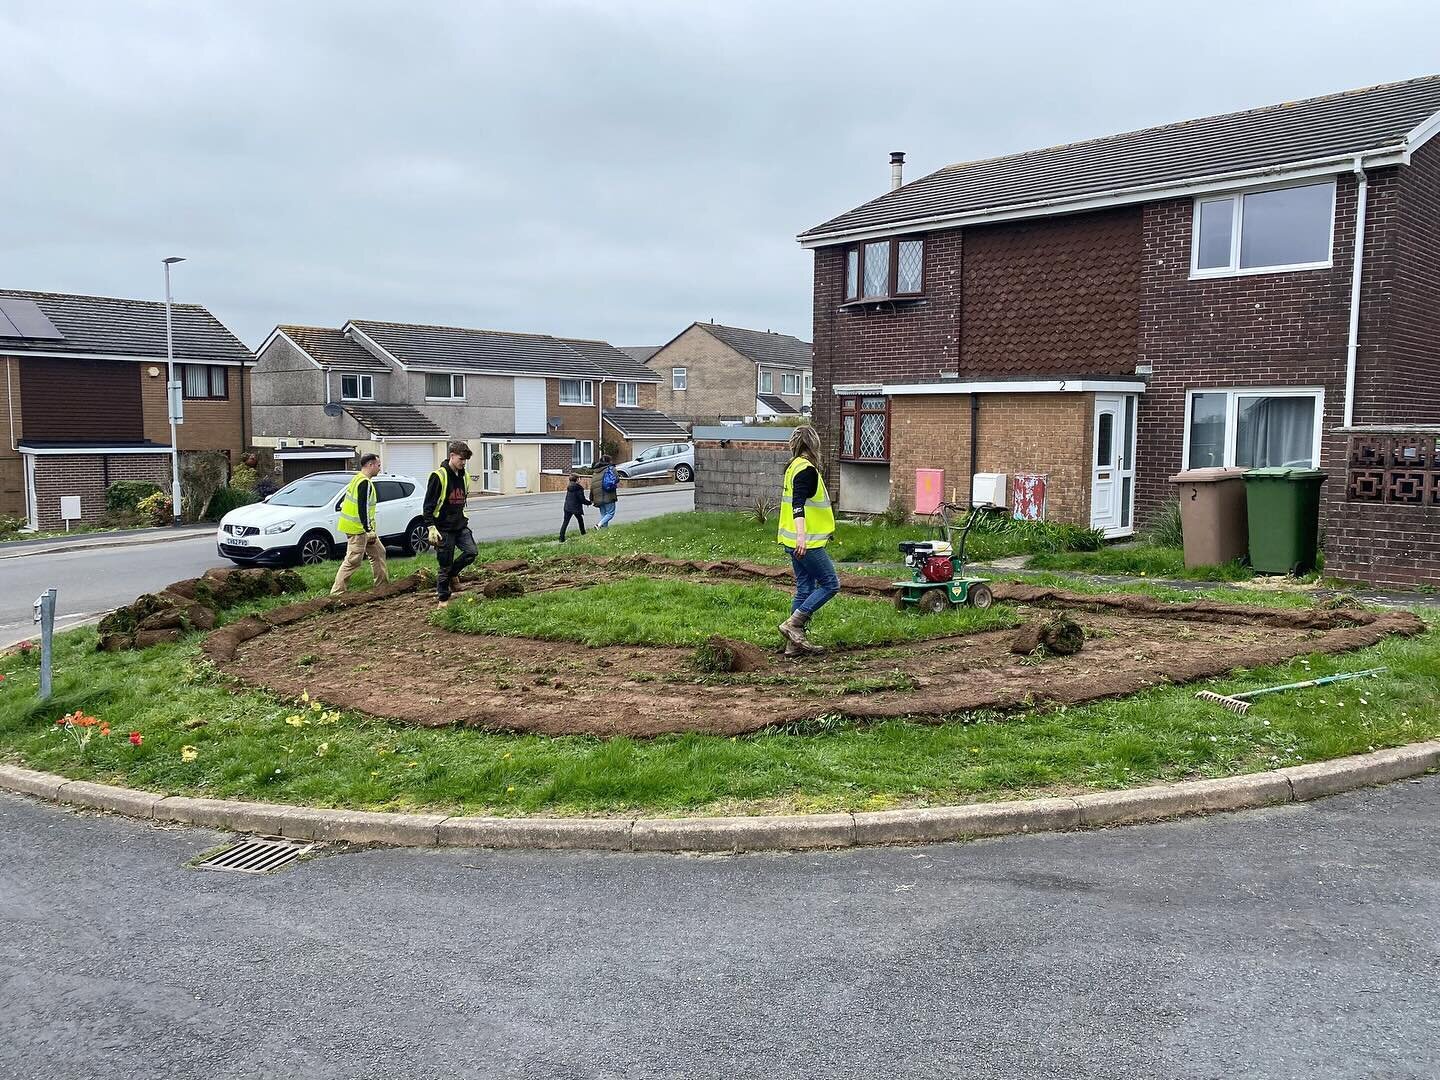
(452, 515)
(575, 500)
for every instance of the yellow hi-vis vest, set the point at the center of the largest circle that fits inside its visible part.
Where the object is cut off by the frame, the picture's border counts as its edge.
(819, 518)
(349, 523)
(443, 472)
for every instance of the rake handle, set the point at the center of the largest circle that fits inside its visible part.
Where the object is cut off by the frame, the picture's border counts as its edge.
(1308, 682)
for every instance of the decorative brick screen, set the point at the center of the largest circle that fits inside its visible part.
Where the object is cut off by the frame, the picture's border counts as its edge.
(1386, 530)
(1397, 468)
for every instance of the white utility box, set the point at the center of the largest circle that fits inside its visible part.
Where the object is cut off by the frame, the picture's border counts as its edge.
(989, 489)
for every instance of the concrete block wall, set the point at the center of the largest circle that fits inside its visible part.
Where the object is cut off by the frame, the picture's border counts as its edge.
(739, 474)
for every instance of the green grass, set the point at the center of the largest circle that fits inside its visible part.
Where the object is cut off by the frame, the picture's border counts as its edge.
(647, 611)
(1140, 560)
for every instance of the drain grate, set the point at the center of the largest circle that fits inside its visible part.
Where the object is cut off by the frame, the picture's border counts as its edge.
(255, 856)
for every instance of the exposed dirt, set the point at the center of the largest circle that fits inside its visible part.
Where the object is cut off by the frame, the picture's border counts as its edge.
(380, 655)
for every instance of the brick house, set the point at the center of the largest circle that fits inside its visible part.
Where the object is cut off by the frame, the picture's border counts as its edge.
(1094, 317)
(83, 395)
(531, 406)
(710, 372)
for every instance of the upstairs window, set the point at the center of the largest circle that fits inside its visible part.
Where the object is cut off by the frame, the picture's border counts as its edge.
(577, 392)
(626, 393)
(865, 428)
(1287, 228)
(790, 382)
(204, 382)
(445, 387)
(678, 378)
(767, 382)
(357, 388)
(885, 269)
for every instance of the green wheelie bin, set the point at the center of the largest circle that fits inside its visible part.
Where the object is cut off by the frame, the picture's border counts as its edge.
(1283, 508)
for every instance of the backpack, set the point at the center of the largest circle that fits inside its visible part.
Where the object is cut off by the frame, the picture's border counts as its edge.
(608, 480)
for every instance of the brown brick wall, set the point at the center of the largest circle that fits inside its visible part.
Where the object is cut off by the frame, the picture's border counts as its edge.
(1411, 392)
(88, 475)
(1386, 545)
(580, 421)
(209, 425)
(1027, 433)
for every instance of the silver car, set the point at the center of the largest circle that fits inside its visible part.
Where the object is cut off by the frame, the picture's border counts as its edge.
(668, 457)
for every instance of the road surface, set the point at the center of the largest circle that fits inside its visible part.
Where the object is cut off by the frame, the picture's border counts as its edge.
(93, 581)
(1298, 941)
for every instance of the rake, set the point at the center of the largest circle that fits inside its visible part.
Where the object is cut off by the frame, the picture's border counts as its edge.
(1240, 703)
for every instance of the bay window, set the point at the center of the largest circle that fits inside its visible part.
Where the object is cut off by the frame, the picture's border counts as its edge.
(885, 269)
(1285, 228)
(865, 428)
(1253, 429)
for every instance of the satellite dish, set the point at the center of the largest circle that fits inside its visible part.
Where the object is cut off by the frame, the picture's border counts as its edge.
(556, 423)
(331, 409)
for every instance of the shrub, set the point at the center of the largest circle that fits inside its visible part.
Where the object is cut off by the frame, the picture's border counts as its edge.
(897, 513)
(243, 478)
(267, 486)
(202, 473)
(156, 507)
(126, 494)
(227, 499)
(762, 510)
(1165, 530)
(10, 526)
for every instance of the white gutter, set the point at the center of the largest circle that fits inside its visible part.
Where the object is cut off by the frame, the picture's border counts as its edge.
(1352, 345)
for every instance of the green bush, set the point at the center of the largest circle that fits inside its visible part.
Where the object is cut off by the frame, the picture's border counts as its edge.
(10, 526)
(227, 499)
(1165, 530)
(243, 478)
(126, 494)
(156, 507)
(1038, 536)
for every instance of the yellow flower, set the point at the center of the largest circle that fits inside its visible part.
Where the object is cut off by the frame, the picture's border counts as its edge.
(315, 706)
(510, 789)
(974, 749)
(374, 772)
(322, 749)
(304, 695)
(188, 753)
(507, 755)
(411, 764)
(295, 721)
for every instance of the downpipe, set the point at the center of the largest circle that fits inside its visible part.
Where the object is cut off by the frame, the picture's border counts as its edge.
(1352, 346)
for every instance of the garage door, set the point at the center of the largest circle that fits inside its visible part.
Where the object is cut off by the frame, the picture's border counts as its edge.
(416, 460)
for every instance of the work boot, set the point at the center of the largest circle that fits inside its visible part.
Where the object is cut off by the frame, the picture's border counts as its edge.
(793, 629)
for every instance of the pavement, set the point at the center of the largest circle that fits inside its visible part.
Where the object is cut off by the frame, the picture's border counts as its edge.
(97, 573)
(1292, 941)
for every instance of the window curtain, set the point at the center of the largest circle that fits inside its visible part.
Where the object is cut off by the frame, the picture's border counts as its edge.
(1274, 431)
(197, 381)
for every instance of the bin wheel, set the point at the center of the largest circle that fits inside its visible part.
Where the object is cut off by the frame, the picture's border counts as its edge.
(899, 600)
(980, 597)
(933, 602)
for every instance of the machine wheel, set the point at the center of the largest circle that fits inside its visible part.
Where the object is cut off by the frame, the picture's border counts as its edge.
(934, 602)
(899, 600)
(313, 549)
(684, 474)
(417, 537)
(980, 597)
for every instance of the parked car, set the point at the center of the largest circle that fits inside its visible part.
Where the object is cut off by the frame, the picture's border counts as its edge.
(658, 460)
(298, 523)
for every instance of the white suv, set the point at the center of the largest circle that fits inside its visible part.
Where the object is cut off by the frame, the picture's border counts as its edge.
(298, 523)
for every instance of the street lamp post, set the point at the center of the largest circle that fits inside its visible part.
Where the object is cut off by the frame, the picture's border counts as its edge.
(173, 396)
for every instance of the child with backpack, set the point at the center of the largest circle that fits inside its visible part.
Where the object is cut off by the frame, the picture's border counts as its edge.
(606, 494)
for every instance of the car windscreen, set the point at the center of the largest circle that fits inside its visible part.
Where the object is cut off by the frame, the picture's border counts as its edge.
(308, 492)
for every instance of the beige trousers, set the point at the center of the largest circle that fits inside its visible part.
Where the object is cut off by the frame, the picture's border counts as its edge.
(357, 549)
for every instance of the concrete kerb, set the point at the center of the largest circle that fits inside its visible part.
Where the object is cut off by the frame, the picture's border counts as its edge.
(734, 834)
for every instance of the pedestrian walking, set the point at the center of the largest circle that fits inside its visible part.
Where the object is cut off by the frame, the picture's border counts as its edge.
(445, 497)
(606, 494)
(357, 522)
(575, 503)
(806, 524)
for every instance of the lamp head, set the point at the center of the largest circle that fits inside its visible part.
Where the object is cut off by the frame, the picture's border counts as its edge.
(173, 259)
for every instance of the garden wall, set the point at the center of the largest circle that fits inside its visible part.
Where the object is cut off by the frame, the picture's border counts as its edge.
(735, 467)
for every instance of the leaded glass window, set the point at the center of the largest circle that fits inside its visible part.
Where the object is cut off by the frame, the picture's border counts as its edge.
(908, 259)
(877, 270)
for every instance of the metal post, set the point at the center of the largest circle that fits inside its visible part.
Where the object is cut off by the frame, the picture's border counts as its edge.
(45, 616)
(173, 394)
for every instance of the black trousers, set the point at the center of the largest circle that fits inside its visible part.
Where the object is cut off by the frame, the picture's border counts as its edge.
(579, 516)
(450, 563)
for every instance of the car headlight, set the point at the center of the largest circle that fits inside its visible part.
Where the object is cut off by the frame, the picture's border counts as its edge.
(279, 527)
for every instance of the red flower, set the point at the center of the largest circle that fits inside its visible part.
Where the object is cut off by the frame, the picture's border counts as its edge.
(136, 738)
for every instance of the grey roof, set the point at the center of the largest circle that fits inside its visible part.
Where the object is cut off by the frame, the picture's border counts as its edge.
(763, 346)
(331, 348)
(644, 424)
(1373, 118)
(395, 421)
(640, 352)
(616, 363)
(777, 404)
(110, 326)
(498, 352)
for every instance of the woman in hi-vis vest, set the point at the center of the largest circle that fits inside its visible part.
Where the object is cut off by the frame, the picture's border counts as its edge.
(807, 522)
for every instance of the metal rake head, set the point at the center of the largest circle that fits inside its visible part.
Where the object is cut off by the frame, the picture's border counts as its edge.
(1235, 705)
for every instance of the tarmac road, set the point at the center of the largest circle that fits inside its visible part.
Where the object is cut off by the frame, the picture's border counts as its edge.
(95, 580)
(1297, 941)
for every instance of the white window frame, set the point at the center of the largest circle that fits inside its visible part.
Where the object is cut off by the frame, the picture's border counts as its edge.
(456, 381)
(679, 377)
(1232, 416)
(586, 388)
(790, 379)
(364, 386)
(582, 453)
(1237, 226)
(630, 396)
(767, 382)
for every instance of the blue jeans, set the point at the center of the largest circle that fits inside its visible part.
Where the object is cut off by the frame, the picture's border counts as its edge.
(607, 512)
(815, 579)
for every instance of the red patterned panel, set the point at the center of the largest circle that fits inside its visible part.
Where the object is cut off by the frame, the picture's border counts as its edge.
(1412, 452)
(1432, 490)
(1366, 485)
(1404, 486)
(1369, 451)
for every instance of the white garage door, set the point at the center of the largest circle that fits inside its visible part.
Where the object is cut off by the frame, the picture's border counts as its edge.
(416, 460)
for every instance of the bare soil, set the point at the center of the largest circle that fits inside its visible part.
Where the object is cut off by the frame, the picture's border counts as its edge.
(381, 656)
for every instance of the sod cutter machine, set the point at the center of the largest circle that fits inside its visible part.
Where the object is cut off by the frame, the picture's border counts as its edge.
(937, 569)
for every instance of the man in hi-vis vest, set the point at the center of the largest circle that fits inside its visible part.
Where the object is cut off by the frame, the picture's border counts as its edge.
(807, 522)
(357, 522)
(445, 497)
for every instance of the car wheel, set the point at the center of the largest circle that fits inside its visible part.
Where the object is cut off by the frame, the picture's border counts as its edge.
(684, 474)
(313, 549)
(417, 537)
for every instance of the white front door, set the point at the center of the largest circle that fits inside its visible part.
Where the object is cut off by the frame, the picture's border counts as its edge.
(1112, 483)
(490, 462)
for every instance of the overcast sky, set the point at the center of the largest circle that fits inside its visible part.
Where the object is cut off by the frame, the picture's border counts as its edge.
(611, 170)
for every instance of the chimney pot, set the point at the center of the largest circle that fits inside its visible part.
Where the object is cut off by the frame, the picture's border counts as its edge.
(897, 168)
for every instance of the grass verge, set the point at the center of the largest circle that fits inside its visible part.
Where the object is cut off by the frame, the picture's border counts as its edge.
(1140, 560)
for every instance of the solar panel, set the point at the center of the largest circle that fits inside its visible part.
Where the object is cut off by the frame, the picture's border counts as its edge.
(24, 319)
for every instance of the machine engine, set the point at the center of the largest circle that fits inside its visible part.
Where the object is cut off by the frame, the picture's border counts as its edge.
(931, 560)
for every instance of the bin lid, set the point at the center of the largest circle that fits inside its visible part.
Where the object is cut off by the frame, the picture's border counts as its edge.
(1284, 472)
(1206, 476)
